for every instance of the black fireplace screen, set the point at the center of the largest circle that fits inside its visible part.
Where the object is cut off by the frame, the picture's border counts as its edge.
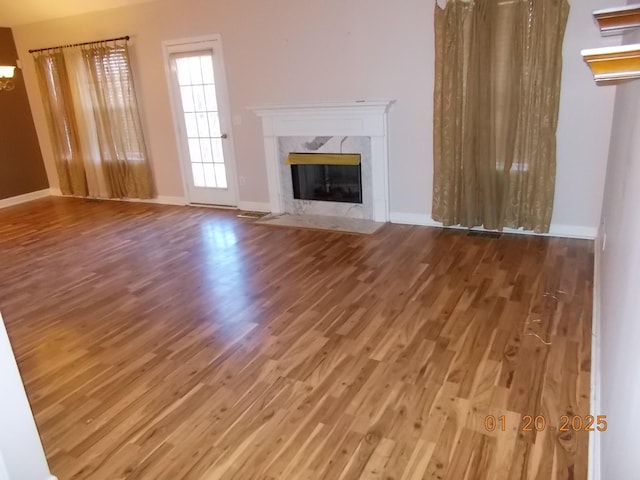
(330, 183)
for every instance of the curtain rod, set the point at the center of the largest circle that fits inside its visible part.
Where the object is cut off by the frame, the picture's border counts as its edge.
(79, 44)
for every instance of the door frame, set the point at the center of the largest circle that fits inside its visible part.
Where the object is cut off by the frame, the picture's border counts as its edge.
(183, 45)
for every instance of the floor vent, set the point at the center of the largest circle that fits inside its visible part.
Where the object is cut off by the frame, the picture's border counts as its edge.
(480, 234)
(252, 215)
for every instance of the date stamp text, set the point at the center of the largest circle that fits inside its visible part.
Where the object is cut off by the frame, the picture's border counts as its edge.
(538, 423)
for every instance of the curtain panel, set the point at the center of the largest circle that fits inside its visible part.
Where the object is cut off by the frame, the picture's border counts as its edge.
(117, 119)
(497, 88)
(56, 95)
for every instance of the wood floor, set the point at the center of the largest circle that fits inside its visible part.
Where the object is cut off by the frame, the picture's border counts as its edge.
(162, 342)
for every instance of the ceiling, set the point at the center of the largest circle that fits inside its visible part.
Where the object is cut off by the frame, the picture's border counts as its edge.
(20, 12)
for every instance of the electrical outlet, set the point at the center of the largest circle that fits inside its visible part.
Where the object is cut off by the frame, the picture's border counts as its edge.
(242, 181)
(604, 242)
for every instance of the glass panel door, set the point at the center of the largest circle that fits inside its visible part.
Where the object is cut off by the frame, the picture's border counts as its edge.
(203, 127)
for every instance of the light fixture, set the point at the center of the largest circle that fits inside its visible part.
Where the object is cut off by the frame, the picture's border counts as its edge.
(6, 77)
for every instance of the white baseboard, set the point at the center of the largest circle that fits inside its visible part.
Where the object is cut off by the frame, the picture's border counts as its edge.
(27, 197)
(161, 200)
(573, 231)
(594, 466)
(566, 231)
(166, 200)
(254, 206)
(413, 219)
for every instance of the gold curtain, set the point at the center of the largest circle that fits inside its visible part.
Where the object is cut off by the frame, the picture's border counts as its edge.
(94, 121)
(497, 89)
(56, 94)
(121, 143)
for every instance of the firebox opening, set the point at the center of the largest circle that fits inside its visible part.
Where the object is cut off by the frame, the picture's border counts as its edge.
(339, 181)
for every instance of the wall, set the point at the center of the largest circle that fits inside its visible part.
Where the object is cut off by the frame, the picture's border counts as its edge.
(21, 167)
(619, 280)
(300, 51)
(4, 475)
(21, 453)
(584, 128)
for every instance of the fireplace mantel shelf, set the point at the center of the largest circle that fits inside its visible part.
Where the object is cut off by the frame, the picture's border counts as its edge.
(333, 107)
(367, 118)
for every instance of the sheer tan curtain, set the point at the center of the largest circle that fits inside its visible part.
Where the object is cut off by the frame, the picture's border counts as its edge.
(95, 125)
(497, 88)
(83, 107)
(56, 94)
(119, 132)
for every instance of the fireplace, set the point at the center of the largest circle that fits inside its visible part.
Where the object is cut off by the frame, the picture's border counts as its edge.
(308, 188)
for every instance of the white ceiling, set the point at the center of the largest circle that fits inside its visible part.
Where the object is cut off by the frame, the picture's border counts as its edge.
(19, 12)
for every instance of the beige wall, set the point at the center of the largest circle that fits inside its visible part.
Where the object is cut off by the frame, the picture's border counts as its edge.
(21, 167)
(619, 279)
(586, 112)
(298, 51)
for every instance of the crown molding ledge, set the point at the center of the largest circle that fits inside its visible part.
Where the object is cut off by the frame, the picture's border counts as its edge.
(615, 21)
(613, 63)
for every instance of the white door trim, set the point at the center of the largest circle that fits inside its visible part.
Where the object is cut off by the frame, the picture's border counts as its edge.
(186, 45)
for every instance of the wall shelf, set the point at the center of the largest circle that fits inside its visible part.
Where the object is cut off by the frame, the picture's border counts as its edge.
(615, 21)
(613, 63)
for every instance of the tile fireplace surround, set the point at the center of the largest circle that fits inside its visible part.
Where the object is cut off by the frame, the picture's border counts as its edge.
(350, 127)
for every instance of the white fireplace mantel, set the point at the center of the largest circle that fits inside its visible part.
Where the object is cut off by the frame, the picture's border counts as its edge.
(360, 118)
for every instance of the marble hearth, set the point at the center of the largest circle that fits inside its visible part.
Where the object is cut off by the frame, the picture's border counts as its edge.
(352, 127)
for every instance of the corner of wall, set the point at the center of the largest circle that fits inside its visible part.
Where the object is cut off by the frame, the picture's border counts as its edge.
(27, 197)
(594, 468)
